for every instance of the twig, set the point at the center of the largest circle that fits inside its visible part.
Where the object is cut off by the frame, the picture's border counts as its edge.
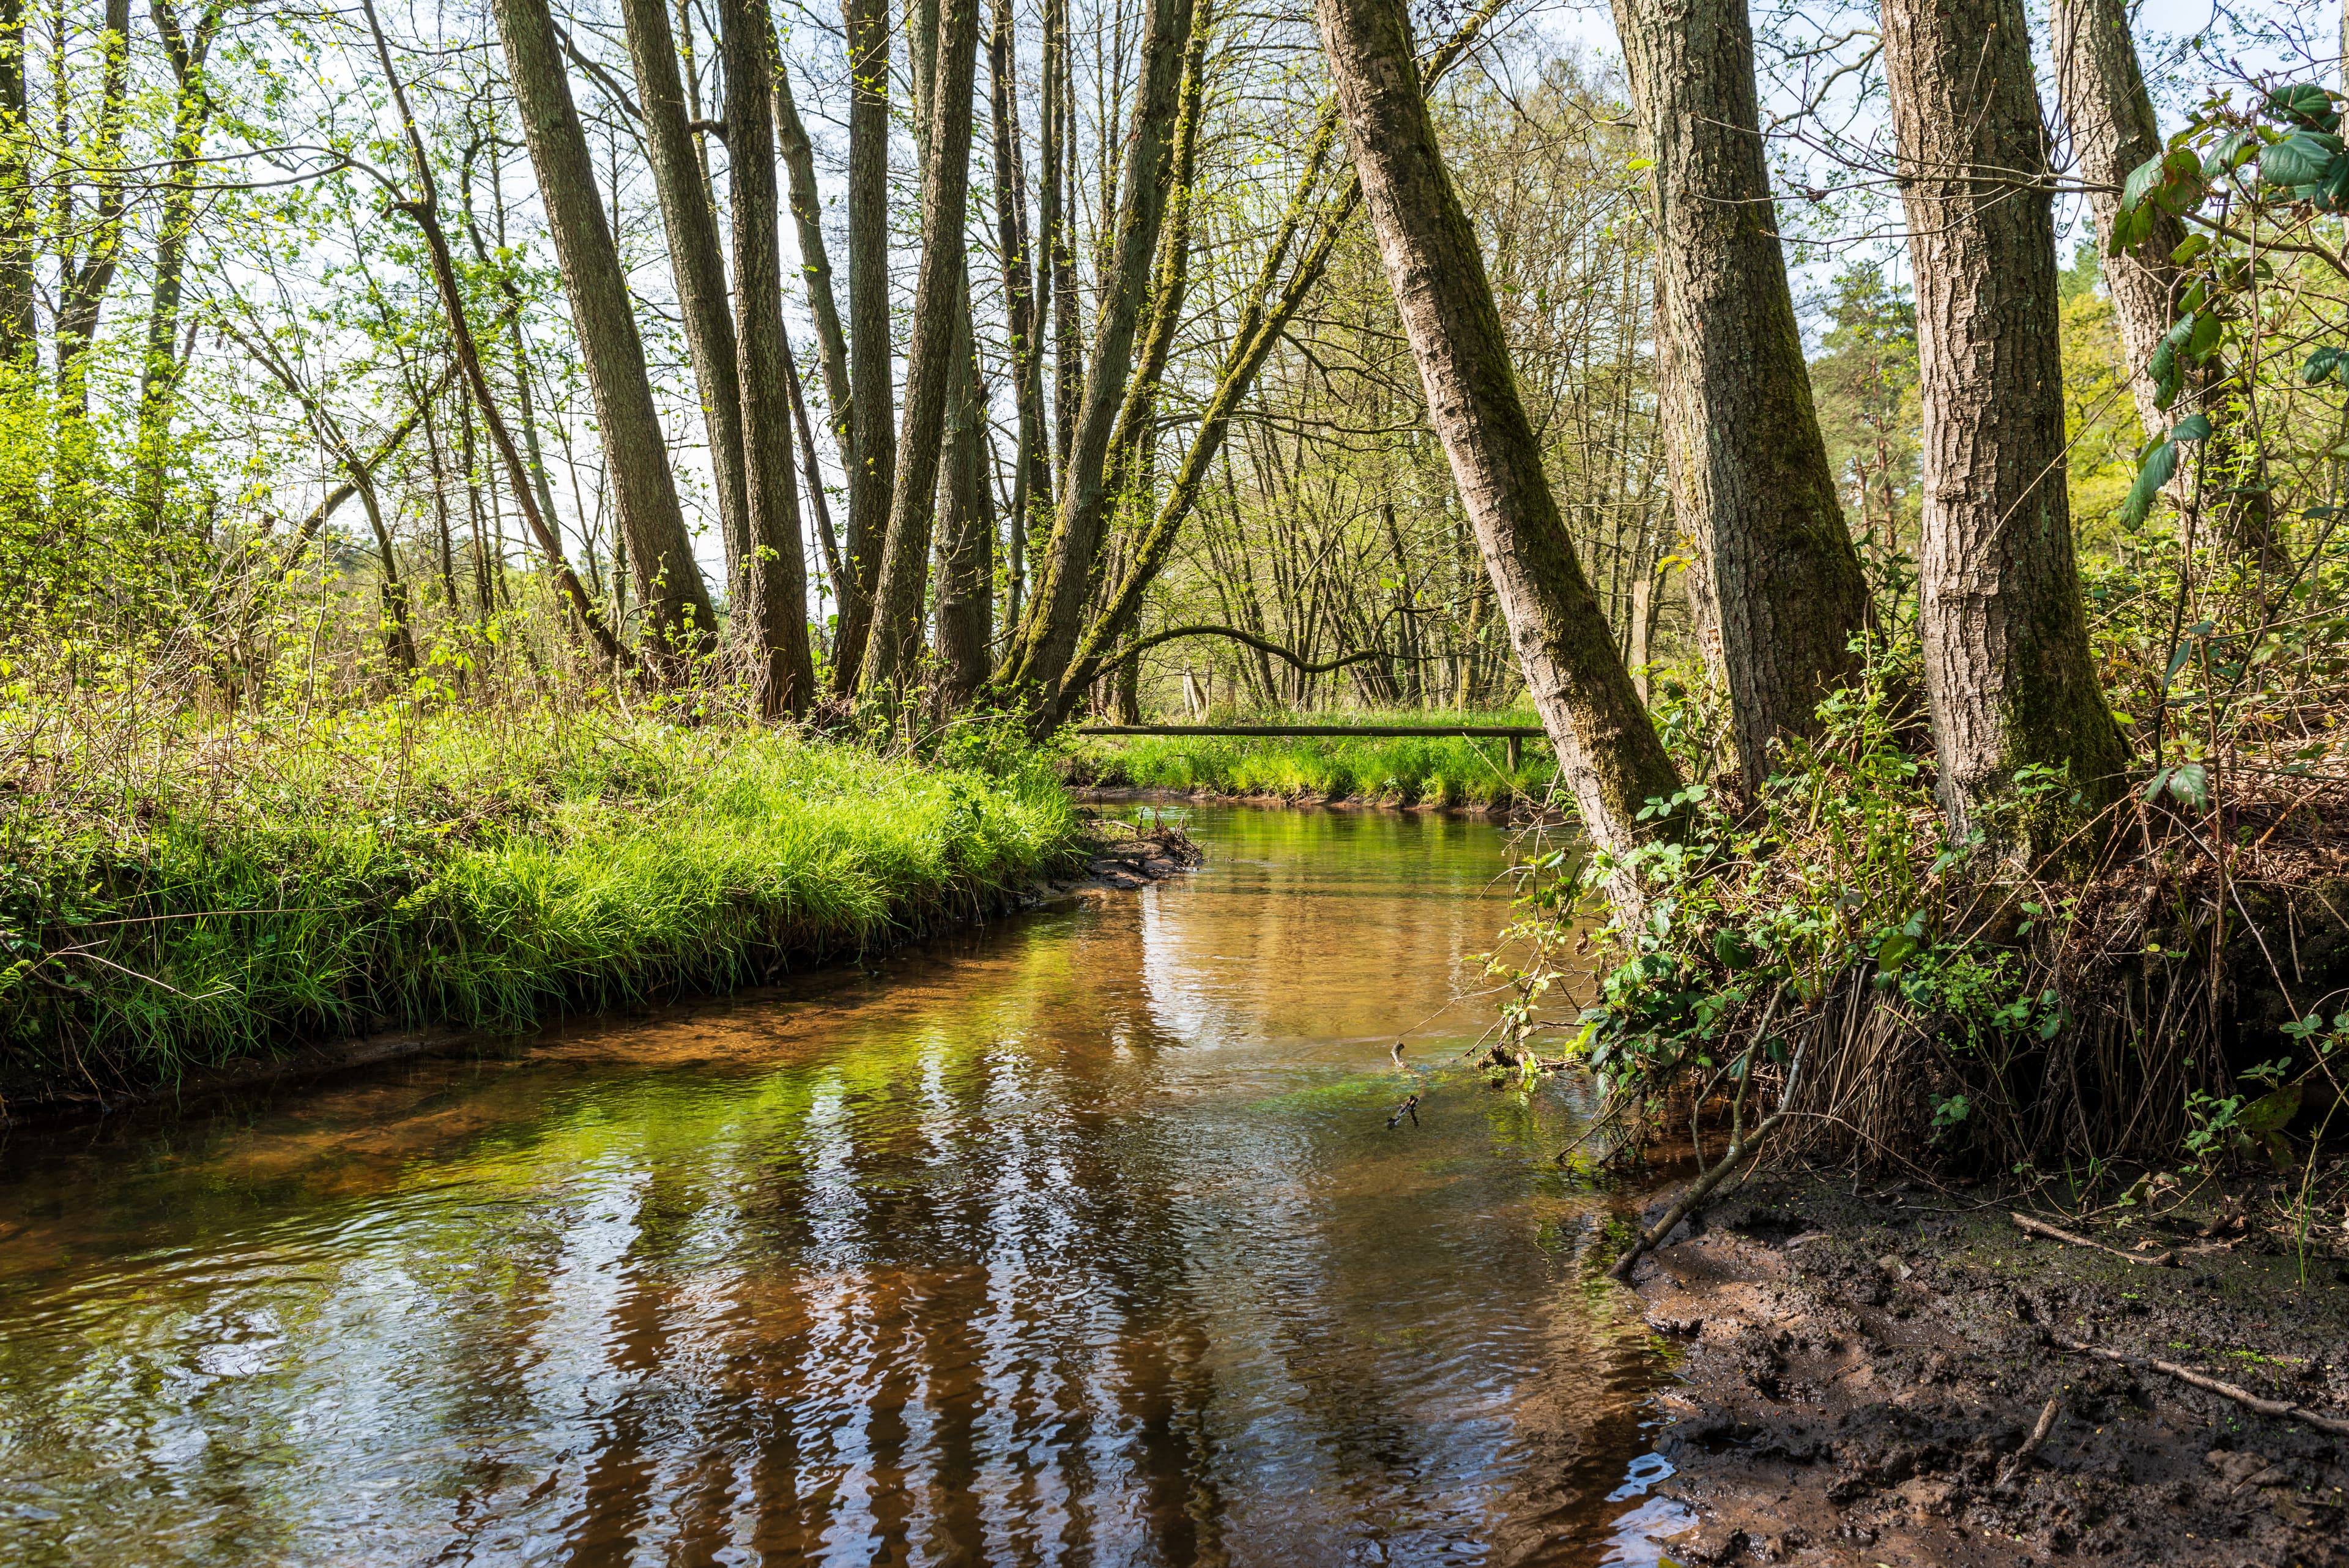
(2056, 1234)
(2022, 1456)
(2242, 1397)
(1703, 1185)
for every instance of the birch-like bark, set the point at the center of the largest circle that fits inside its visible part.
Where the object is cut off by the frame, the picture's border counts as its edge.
(895, 643)
(1784, 594)
(678, 610)
(86, 266)
(159, 376)
(2008, 672)
(815, 258)
(1608, 752)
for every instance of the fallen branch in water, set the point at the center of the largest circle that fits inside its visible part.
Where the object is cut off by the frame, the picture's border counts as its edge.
(2056, 1234)
(2031, 1445)
(2209, 1384)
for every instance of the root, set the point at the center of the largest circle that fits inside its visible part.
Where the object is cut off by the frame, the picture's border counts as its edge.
(2282, 1411)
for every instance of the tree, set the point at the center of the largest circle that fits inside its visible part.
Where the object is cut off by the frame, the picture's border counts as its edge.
(1778, 589)
(939, 293)
(872, 457)
(2008, 674)
(775, 570)
(1867, 385)
(2102, 92)
(636, 452)
(1608, 751)
(1040, 654)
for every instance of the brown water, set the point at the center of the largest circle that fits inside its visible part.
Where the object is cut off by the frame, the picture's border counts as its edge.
(1082, 1240)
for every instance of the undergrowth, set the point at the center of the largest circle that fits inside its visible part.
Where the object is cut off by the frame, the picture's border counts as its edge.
(176, 891)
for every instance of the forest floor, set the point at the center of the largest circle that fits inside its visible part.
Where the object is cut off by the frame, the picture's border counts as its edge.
(1860, 1365)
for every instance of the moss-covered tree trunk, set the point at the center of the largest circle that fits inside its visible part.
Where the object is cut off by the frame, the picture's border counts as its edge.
(643, 490)
(695, 262)
(1783, 595)
(1608, 751)
(871, 373)
(1040, 654)
(2114, 130)
(895, 642)
(773, 616)
(2008, 670)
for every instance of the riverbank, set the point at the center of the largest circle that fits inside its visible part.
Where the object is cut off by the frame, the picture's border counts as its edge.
(1862, 1370)
(233, 893)
(1437, 772)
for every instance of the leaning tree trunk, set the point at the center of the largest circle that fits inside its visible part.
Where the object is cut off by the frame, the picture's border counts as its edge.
(696, 264)
(1032, 463)
(635, 454)
(18, 223)
(1748, 467)
(774, 575)
(871, 378)
(815, 257)
(2114, 130)
(2008, 670)
(84, 278)
(1606, 749)
(895, 642)
(158, 376)
(1039, 656)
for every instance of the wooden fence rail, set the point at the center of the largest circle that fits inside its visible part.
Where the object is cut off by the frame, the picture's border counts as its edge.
(1514, 734)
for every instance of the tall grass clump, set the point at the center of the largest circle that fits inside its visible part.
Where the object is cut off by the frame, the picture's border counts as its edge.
(1435, 770)
(177, 891)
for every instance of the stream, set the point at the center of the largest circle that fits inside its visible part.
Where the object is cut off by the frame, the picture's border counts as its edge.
(1079, 1239)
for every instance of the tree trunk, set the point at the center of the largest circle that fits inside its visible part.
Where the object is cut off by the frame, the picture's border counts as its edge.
(636, 458)
(1031, 472)
(158, 376)
(1749, 470)
(2114, 130)
(19, 222)
(895, 642)
(1039, 656)
(966, 611)
(84, 279)
(1608, 751)
(2008, 672)
(872, 458)
(695, 262)
(774, 611)
(815, 259)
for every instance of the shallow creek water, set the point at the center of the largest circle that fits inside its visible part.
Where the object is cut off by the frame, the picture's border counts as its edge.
(1082, 1239)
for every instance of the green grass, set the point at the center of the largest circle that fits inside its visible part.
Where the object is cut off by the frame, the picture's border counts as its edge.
(1452, 770)
(212, 894)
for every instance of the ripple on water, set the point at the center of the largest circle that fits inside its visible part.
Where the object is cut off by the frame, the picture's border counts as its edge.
(1082, 1240)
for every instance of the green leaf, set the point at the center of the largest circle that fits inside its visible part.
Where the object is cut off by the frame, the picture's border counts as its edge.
(2193, 427)
(2191, 246)
(2159, 465)
(2270, 1113)
(1734, 952)
(2141, 179)
(2206, 335)
(2304, 103)
(2303, 158)
(1895, 950)
(2321, 364)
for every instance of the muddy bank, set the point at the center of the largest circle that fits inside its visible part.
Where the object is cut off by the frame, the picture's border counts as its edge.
(1860, 1368)
(1114, 858)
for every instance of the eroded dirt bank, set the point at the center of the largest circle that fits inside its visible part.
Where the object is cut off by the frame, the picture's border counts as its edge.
(1861, 1366)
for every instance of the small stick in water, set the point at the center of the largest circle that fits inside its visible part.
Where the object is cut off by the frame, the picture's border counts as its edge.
(1409, 1108)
